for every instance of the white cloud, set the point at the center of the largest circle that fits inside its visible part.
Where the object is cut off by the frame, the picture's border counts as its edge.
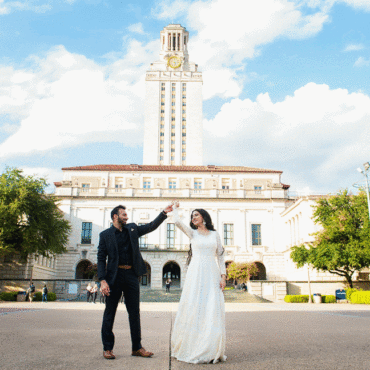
(49, 174)
(359, 4)
(362, 62)
(66, 100)
(7, 6)
(318, 135)
(136, 28)
(246, 26)
(354, 47)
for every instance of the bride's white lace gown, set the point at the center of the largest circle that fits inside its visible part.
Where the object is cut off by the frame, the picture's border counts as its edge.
(198, 334)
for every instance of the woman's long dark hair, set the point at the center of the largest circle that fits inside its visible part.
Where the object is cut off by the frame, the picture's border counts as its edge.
(209, 225)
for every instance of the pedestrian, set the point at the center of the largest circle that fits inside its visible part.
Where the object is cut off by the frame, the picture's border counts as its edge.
(168, 285)
(44, 293)
(89, 292)
(101, 297)
(31, 292)
(94, 292)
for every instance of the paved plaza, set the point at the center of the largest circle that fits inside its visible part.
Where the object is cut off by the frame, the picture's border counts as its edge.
(66, 335)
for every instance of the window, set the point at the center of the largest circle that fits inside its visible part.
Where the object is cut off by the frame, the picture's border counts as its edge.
(183, 127)
(197, 183)
(172, 150)
(256, 234)
(228, 234)
(143, 240)
(161, 158)
(162, 110)
(183, 142)
(172, 183)
(184, 118)
(173, 103)
(173, 118)
(183, 134)
(173, 134)
(183, 111)
(173, 88)
(183, 158)
(172, 141)
(162, 96)
(162, 118)
(162, 103)
(162, 134)
(162, 126)
(85, 188)
(171, 235)
(161, 150)
(162, 141)
(184, 150)
(257, 189)
(173, 96)
(183, 104)
(173, 111)
(86, 233)
(184, 96)
(172, 158)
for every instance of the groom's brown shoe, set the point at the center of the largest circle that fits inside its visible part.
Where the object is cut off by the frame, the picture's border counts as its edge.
(142, 353)
(109, 355)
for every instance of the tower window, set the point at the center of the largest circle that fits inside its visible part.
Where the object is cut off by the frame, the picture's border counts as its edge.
(172, 134)
(183, 134)
(162, 134)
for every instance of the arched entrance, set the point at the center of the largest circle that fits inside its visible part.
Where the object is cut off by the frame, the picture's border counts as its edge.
(83, 270)
(145, 279)
(261, 275)
(171, 270)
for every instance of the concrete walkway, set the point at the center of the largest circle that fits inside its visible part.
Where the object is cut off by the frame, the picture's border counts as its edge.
(66, 335)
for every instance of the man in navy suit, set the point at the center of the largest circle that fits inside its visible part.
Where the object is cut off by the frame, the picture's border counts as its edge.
(120, 243)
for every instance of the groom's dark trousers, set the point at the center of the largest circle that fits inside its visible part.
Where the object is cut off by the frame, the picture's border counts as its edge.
(128, 283)
(110, 257)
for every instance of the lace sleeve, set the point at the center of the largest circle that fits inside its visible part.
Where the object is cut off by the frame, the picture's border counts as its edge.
(220, 252)
(177, 220)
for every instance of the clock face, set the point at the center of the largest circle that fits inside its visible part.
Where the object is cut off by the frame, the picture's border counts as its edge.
(174, 62)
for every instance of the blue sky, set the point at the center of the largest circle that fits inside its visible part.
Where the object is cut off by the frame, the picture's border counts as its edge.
(286, 83)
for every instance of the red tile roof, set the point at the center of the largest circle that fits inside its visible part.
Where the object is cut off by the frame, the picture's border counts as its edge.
(156, 168)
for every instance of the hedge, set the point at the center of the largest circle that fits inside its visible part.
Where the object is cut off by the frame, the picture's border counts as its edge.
(8, 296)
(304, 298)
(360, 297)
(38, 297)
(350, 291)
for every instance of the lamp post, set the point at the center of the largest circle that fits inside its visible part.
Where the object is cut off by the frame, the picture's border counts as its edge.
(365, 171)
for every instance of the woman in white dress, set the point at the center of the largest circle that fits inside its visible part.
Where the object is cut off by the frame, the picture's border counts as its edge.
(198, 334)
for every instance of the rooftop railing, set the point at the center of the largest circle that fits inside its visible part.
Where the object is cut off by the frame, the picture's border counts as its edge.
(172, 193)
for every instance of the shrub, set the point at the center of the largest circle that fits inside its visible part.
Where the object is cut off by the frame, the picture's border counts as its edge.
(229, 288)
(296, 298)
(329, 299)
(6, 296)
(360, 297)
(304, 299)
(38, 297)
(350, 291)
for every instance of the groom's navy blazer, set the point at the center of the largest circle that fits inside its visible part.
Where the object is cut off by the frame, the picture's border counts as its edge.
(108, 248)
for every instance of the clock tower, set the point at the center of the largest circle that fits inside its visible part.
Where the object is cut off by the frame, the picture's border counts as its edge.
(173, 131)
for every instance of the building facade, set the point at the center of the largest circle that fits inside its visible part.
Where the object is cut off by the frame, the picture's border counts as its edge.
(250, 207)
(173, 104)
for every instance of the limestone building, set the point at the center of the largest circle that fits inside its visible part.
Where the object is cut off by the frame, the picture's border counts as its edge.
(173, 104)
(250, 207)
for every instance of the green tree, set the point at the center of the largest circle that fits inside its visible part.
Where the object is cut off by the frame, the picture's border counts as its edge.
(241, 271)
(30, 220)
(342, 246)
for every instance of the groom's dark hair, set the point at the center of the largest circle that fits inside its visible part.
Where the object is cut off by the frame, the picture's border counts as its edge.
(115, 210)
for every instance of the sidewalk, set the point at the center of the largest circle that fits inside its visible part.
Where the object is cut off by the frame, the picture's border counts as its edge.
(66, 335)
